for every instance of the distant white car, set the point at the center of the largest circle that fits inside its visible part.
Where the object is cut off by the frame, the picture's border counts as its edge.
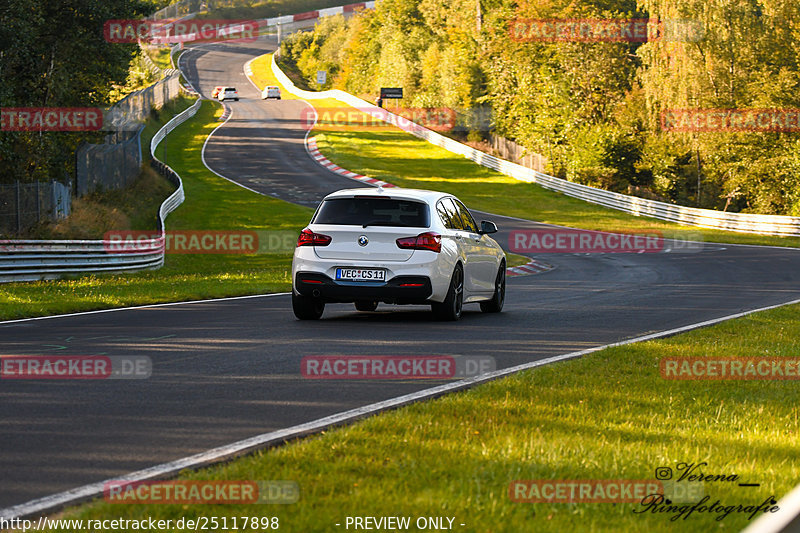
(228, 93)
(271, 91)
(400, 246)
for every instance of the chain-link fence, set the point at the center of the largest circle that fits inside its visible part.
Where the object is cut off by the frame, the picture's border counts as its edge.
(116, 163)
(135, 108)
(23, 205)
(109, 166)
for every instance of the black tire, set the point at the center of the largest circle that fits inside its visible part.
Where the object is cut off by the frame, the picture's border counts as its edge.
(366, 306)
(495, 305)
(450, 309)
(306, 308)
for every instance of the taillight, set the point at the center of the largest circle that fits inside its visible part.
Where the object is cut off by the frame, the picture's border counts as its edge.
(424, 241)
(309, 238)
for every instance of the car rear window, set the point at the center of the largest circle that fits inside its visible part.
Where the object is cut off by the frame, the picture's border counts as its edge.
(374, 211)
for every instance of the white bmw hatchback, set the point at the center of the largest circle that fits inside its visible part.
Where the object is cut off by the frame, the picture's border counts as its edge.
(398, 246)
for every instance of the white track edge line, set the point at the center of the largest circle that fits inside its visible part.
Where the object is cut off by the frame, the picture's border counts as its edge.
(144, 306)
(222, 453)
(769, 523)
(205, 164)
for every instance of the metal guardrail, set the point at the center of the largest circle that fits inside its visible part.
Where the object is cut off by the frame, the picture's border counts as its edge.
(29, 260)
(706, 218)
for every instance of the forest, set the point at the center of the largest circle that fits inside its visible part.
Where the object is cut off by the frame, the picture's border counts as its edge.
(53, 54)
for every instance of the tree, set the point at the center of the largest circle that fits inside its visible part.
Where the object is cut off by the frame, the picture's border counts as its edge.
(53, 54)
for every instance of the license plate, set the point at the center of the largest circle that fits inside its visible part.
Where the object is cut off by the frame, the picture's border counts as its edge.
(360, 274)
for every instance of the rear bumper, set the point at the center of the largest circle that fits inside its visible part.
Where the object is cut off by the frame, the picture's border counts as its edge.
(398, 290)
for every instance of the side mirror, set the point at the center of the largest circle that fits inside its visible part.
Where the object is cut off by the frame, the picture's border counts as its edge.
(488, 227)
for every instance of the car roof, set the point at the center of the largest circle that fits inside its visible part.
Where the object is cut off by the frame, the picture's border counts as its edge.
(394, 192)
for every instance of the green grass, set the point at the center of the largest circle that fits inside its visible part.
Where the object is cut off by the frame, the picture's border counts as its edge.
(609, 415)
(160, 56)
(513, 260)
(160, 117)
(91, 216)
(210, 201)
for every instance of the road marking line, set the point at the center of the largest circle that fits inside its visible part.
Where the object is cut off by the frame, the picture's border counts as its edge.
(146, 306)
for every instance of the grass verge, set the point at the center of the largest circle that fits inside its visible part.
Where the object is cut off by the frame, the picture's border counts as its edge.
(209, 203)
(159, 55)
(135, 207)
(389, 154)
(609, 416)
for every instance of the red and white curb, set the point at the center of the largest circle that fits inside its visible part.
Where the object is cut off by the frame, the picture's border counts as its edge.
(225, 114)
(316, 155)
(313, 151)
(528, 269)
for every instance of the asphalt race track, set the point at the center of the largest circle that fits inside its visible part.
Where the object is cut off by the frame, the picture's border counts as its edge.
(262, 146)
(228, 370)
